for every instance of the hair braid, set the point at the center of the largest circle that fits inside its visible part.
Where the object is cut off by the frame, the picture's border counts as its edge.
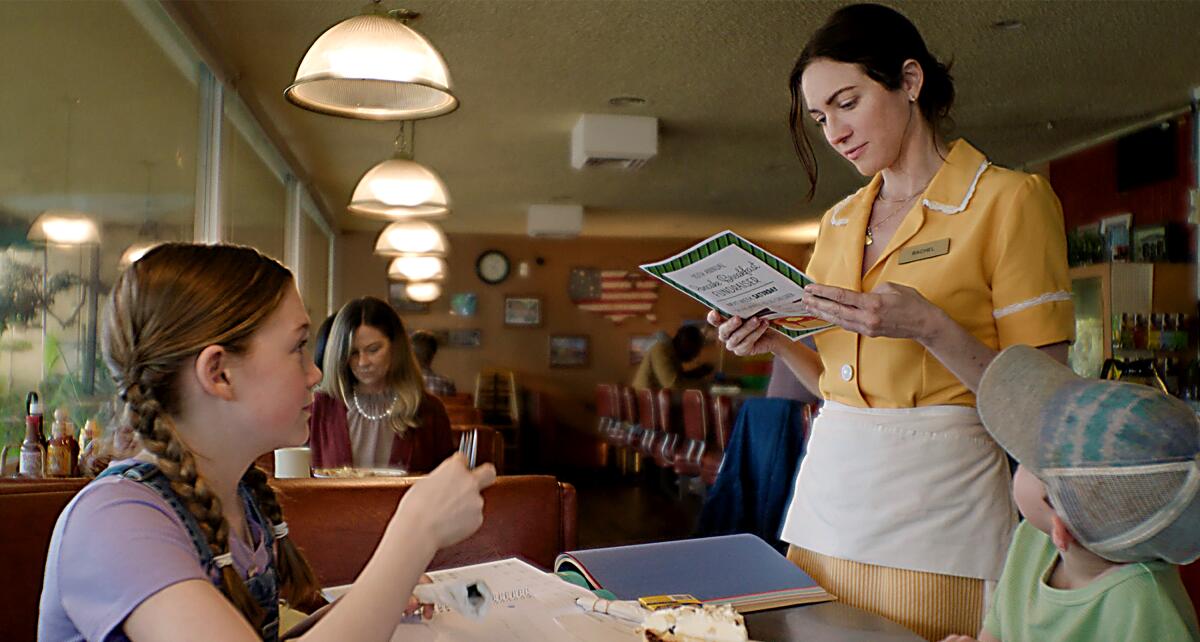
(163, 311)
(157, 435)
(298, 582)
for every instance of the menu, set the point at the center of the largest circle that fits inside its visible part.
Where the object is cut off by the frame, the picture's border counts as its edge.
(528, 604)
(735, 277)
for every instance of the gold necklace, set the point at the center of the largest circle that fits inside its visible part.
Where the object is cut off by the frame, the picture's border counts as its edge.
(870, 238)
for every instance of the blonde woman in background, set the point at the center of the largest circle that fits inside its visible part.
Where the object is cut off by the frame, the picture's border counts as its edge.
(371, 410)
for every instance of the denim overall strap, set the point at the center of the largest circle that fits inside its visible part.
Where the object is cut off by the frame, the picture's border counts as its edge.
(263, 587)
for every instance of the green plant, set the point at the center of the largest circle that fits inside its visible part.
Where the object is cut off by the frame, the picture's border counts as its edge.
(25, 296)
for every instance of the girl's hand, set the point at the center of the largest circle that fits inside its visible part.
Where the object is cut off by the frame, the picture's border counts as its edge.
(416, 610)
(447, 502)
(744, 338)
(890, 310)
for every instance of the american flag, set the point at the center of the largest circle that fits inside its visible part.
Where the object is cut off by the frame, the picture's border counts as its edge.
(616, 294)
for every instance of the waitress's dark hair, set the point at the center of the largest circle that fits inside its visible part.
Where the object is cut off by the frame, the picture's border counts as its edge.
(878, 39)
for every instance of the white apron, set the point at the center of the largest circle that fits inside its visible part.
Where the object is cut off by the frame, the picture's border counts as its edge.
(923, 489)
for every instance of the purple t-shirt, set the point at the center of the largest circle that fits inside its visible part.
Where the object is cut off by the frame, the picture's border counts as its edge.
(115, 544)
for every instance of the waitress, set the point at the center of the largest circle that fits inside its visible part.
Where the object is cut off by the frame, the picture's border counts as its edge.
(902, 504)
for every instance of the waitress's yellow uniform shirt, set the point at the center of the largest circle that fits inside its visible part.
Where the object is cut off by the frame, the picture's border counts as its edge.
(1004, 278)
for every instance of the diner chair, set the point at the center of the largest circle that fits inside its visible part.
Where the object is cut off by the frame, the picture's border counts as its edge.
(668, 445)
(648, 418)
(496, 397)
(457, 399)
(631, 431)
(608, 413)
(714, 453)
(464, 415)
(695, 428)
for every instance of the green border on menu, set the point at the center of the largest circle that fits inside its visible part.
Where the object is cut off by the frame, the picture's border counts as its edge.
(721, 241)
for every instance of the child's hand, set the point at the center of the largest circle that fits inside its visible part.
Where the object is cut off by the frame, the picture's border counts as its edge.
(447, 501)
(418, 610)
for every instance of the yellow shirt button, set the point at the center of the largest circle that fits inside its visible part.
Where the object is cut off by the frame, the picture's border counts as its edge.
(847, 372)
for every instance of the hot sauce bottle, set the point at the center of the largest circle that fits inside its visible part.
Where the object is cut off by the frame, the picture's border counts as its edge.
(62, 458)
(33, 449)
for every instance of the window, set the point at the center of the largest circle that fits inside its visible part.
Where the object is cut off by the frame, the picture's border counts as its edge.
(105, 124)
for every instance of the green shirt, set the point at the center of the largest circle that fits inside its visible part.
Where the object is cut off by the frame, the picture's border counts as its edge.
(1142, 601)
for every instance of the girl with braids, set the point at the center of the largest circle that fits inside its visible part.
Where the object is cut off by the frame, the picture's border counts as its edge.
(901, 505)
(371, 410)
(184, 539)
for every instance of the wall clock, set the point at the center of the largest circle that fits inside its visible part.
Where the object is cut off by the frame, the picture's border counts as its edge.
(492, 266)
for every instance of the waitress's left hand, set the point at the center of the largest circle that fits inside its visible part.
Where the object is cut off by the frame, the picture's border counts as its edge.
(890, 310)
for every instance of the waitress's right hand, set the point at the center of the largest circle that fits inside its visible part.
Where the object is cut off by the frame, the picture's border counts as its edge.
(744, 337)
(448, 501)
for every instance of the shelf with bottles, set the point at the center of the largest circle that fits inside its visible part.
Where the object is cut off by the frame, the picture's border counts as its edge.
(1154, 334)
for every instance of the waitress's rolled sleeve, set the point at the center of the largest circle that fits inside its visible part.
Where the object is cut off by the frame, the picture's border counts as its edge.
(1031, 290)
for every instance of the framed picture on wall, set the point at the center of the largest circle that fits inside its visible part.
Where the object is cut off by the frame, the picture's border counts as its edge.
(639, 345)
(1115, 230)
(523, 311)
(400, 301)
(463, 304)
(464, 338)
(570, 350)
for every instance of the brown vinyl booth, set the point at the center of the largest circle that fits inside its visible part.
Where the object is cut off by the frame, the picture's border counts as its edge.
(336, 522)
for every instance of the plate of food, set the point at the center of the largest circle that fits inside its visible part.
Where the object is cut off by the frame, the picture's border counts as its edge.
(349, 472)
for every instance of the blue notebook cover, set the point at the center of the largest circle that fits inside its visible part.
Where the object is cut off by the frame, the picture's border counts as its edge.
(741, 570)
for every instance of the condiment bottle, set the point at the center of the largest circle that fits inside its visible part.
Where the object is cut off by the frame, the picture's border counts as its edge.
(1154, 332)
(1127, 331)
(33, 411)
(88, 438)
(1140, 332)
(63, 455)
(33, 452)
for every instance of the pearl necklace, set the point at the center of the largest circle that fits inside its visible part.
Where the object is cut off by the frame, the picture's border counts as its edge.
(368, 416)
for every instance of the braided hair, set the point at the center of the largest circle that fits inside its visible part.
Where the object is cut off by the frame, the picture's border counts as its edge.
(163, 311)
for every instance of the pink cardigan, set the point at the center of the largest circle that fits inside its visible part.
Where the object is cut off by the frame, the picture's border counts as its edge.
(421, 449)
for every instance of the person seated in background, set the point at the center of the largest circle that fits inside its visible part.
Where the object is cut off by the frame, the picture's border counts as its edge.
(322, 340)
(1107, 484)
(371, 409)
(425, 347)
(663, 365)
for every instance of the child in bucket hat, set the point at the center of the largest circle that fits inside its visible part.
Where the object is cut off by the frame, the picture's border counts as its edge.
(1109, 484)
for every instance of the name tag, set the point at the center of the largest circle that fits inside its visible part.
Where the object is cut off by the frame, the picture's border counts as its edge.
(926, 251)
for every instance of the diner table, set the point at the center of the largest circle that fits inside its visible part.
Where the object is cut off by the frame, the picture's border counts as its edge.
(825, 622)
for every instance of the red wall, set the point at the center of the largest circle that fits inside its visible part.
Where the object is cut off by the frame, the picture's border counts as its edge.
(1086, 183)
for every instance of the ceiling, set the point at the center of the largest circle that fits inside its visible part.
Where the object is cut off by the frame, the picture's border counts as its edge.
(714, 73)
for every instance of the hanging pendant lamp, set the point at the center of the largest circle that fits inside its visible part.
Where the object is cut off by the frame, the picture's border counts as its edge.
(412, 238)
(64, 227)
(373, 67)
(423, 291)
(417, 268)
(400, 188)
